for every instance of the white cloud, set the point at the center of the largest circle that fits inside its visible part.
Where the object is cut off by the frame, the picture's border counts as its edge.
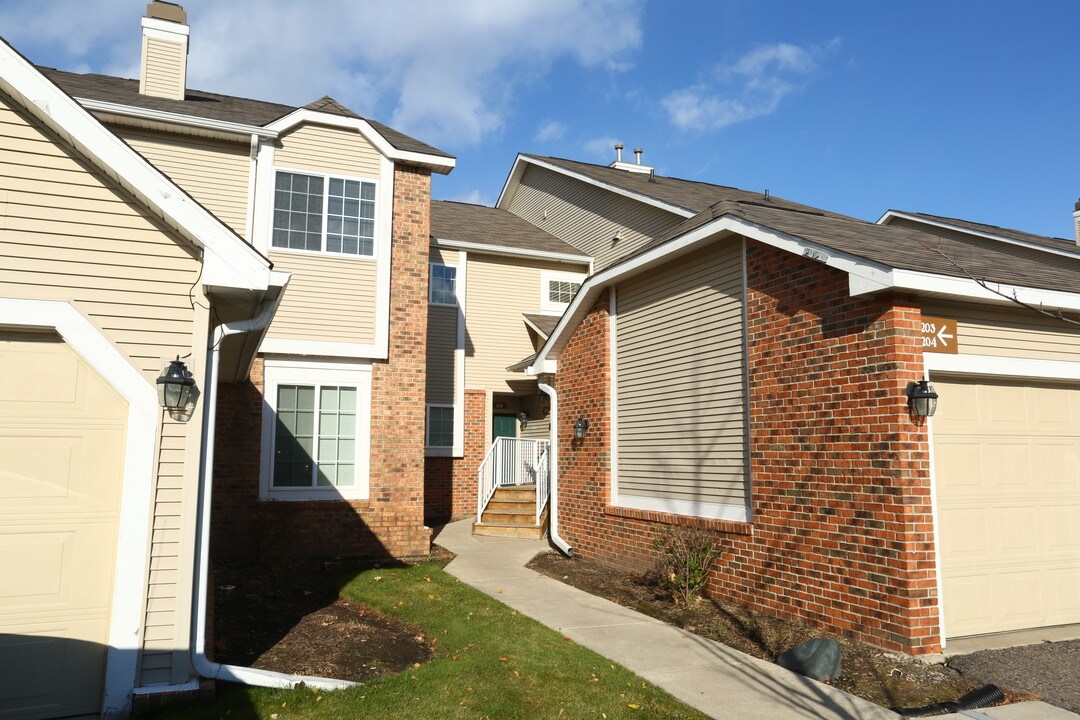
(601, 148)
(549, 131)
(473, 197)
(751, 86)
(446, 72)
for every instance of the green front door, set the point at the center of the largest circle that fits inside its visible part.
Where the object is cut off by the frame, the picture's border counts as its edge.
(503, 426)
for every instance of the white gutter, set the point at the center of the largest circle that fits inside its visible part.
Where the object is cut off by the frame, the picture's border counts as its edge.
(512, 251)
(221, 126)
(553, 460)
(203, 665)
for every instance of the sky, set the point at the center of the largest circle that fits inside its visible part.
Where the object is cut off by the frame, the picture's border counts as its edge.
(963, 108)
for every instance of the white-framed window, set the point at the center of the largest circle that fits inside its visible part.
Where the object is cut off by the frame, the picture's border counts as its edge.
(439, 431)
(316, 417)
(442, 284)
(324, 213)
(557, 289)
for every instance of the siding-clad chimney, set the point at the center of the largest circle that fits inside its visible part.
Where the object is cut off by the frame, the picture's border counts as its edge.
(1076, 220)
(163, 71)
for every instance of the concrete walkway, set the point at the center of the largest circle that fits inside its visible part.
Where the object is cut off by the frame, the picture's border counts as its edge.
(715, 679)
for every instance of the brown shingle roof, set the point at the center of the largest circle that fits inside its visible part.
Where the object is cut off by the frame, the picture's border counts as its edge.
(493, 226)
(901, 248)
(687, 194)
(212, 106)
(545, 323)
(1051, 242)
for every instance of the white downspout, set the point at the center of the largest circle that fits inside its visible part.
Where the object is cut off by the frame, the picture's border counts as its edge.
(553, 459)
(203, 665)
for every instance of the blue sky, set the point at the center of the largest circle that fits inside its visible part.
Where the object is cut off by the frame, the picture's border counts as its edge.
(964, 108)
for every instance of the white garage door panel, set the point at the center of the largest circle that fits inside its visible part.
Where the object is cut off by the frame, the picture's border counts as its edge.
(1007, 461)
(62, 431)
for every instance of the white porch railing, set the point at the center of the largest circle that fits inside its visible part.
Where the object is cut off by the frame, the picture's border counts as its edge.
(509, 462)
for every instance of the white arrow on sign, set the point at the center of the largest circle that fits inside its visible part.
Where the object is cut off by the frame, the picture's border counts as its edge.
(941, 335)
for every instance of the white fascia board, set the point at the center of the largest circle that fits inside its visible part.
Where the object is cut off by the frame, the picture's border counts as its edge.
(870, 273)
(227, 259)
(884, 220)
(221, 126)
(167, 28)
(515, 178)
(515, 252)
(320, 348)
(967, 289)
(302, 115)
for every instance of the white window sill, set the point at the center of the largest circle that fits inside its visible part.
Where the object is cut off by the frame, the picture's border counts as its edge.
(315, 494)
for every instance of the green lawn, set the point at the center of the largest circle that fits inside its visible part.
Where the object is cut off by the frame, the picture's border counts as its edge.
(490, 662)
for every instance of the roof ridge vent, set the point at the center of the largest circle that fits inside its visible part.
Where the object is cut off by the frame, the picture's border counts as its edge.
(635, 167)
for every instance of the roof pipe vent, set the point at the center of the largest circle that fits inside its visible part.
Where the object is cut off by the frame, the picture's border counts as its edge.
(618, 152)
(1076, 220)
(635, 167)
(637, 155)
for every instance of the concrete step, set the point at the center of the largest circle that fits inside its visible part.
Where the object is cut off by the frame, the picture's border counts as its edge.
(534, 532)
(510, 518)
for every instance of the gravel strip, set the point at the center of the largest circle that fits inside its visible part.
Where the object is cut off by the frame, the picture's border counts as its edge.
(1050, 670)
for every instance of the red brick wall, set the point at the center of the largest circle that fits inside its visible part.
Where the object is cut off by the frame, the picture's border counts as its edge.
(842, 533)
(450, 483)
(390, 522)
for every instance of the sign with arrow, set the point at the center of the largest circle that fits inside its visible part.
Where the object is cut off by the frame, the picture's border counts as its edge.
(939, 335)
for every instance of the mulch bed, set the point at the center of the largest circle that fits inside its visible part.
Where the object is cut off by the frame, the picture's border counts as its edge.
(881, 677)
(288, 616)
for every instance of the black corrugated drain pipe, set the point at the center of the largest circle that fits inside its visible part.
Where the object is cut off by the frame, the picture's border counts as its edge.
(985, 696)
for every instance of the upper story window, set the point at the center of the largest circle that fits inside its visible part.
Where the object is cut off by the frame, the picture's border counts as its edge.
(557, 289)
(442, 285)
(324, 214)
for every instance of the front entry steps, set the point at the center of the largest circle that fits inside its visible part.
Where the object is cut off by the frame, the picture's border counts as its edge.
(511, 512)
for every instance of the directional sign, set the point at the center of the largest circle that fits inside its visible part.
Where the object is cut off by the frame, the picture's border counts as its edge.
(939, 335)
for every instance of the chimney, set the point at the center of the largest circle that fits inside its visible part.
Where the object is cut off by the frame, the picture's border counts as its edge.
(635, 167)
(163, 70)
(1076, 220)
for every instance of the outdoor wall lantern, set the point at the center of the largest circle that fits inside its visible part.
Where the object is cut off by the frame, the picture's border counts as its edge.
(175, 386)
(523, 418)
(922, 399)
(580, 427)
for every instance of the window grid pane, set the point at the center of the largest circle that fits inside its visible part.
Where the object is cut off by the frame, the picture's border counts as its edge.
(440, 429)
(337, 436)
(443, 285)
(562, 291)
(298, 210)
(304, 459)
(350, 217)
(294, 436)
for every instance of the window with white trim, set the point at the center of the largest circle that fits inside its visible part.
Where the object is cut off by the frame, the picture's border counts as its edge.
(324, 213)
(440, 426)
(557, 289)
(442, 285)
(315, 430)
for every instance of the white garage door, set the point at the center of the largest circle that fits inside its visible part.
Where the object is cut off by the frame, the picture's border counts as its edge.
(1007, 460)
(61, 463)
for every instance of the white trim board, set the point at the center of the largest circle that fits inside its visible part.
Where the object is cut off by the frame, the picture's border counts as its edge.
(996, 366)
(133, 537)
(1065, 250)
(712, 511)
(485, 249)
(320, 348)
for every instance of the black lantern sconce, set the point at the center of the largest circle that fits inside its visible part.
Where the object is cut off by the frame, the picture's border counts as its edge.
(922, 399)
(580, 428)
(523, 418)
(175, 387)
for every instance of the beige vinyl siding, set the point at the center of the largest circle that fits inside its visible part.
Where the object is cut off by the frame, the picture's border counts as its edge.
(498, 291)
(328, 150)
(69, 234)
(539, 423)
(586, 216)
(441, 344)
(1008, 332)
(441, 256)
(680, 379)
(163, 73)
(216, 174)
(329, 298)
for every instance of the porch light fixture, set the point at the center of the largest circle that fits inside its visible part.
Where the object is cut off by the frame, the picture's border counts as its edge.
(523, 418)
(580, 427)
(922, 399)
(174, 386)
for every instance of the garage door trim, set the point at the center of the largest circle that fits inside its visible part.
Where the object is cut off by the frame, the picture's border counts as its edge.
(960, 366)
(129, 587)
